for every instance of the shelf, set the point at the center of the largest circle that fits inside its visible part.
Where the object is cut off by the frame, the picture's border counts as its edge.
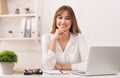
(20, 23)
(17, 38)
(18, 15)
(20, 38)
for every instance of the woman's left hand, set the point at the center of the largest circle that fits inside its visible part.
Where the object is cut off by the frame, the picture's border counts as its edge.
(66, 67)
(59, 66)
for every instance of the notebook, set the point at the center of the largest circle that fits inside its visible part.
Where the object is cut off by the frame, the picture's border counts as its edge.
(102, 60)
(56, 72)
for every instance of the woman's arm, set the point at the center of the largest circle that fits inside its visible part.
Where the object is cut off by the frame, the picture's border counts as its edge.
(53, 45)
(83, 64)
(48, 56)
(54, 40)
(83, 50)
(48, 50)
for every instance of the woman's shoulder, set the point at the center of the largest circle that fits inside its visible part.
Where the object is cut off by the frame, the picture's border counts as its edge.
(80, 40)
(78, 36)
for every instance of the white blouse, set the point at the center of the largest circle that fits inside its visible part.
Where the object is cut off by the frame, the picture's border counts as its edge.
(75, 53)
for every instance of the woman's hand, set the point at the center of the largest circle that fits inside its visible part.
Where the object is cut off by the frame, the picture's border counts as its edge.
(66, 67)
(58, 66)
(58, 33)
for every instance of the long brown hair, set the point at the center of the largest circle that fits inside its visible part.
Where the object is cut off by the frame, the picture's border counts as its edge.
(74, 28)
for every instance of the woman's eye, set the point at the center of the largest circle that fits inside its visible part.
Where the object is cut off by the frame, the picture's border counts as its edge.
(68, 18)
(59, 17)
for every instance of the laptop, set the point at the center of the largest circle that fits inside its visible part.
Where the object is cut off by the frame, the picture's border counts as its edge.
(102, 60)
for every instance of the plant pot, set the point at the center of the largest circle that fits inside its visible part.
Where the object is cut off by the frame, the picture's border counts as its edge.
(27, 12)
(7, 67)
(17, 12)
(10, 35)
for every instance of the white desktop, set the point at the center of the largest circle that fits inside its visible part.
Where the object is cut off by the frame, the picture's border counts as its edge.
(56, 76)
(45, 75)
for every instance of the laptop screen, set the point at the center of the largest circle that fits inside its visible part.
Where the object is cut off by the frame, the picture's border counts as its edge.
(103, 60)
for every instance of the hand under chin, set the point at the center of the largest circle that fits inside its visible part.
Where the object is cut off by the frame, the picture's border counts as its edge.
(62, 33)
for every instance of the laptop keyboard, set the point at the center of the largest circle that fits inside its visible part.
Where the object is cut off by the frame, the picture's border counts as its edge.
(78, 72)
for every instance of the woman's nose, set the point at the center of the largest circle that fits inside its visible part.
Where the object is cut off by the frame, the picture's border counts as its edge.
(63, 21)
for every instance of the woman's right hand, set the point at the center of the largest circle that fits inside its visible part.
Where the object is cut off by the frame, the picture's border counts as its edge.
(56, 37)
(58, 33)
(58, 66)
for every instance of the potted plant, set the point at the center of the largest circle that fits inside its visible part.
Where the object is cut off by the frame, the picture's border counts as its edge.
(27, 10)
(17, 11)
(8, 59)
(10, 33)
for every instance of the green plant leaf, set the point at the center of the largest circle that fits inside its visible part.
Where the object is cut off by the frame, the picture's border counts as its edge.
(8, 56)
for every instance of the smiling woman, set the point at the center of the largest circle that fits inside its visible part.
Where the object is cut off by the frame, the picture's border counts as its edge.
(65, 47)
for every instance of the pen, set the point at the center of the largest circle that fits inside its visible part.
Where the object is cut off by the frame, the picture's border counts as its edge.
(61, 71)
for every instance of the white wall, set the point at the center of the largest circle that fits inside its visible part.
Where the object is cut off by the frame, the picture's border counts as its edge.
(98, 19)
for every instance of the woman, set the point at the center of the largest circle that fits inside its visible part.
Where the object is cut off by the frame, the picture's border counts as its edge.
(64, 48)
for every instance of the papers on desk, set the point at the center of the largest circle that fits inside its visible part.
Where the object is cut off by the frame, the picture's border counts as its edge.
(55, 72)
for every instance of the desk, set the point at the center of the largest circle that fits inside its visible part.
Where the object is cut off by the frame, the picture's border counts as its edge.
(55, 76)
(44, 75)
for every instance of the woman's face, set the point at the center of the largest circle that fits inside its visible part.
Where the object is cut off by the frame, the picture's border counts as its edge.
(63, 22)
